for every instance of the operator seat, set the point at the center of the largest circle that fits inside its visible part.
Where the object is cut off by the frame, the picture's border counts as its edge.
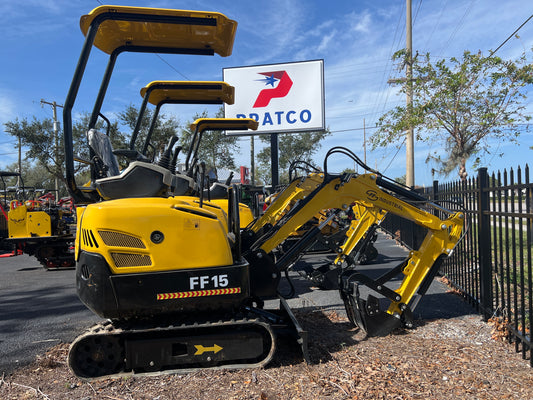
(217, 190)
(183, 185)
(139, 179)
(101, 145)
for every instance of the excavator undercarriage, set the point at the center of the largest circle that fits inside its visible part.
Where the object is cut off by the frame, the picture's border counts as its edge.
(245, 339)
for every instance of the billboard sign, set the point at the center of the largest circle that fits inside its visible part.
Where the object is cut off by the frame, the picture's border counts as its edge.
(281, 97)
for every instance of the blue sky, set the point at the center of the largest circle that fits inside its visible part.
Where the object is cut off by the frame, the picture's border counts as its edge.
(41, 42)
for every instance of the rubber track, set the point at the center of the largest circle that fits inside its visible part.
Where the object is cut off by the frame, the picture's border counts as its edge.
(107, 328)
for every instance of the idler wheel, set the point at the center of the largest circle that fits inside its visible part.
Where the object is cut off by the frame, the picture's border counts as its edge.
(96, 355)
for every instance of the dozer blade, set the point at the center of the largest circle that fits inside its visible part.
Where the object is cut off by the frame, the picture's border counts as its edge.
(367, 314)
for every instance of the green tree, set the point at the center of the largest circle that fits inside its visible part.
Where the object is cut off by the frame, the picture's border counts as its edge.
(291, 147)
(38, 136)
(216, 148)
(461, 104)
(401, 179)
(38, 139)
(39, 142)
(79, 133)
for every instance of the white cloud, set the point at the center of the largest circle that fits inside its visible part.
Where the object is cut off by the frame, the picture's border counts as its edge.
(270, 29)
(326, 40)
(135, 83)
(7, 107)
(362, 22)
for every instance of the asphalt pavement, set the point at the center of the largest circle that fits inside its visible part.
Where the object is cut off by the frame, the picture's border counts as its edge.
(39, 308)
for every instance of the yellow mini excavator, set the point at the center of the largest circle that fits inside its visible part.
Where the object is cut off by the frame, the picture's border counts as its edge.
(159, 93)
(169, 271)
(38, 226)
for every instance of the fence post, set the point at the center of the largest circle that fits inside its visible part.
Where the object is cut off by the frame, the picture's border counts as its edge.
(436, 195)
(484, 244)
(529, 205)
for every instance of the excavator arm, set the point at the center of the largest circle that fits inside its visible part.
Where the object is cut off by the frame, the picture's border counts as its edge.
(296, 190)
(300, 188)
(338, 192)
(366, 219)
(376, 197)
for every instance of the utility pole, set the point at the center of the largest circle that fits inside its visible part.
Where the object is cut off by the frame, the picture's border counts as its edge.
(56, 137)
(409, 140)
(364, 139)
(274, 160)
(20, 161)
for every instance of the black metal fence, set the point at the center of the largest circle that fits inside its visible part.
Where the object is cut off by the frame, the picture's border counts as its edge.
(492, 265)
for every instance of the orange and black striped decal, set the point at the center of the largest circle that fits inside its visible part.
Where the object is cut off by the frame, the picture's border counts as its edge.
(197, 293)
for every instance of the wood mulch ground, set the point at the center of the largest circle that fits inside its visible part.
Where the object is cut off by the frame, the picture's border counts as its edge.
(458, 358)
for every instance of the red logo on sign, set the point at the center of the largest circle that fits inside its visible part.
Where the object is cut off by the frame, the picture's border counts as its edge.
(281, 90)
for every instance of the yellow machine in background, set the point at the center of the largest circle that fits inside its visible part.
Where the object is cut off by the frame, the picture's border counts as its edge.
(24, 223)
(352, 239)
(47, 235)
(160, 93)
(38, 226)
(167, 267)
(217, 192)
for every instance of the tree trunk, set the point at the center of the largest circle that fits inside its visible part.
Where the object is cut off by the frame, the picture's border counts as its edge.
(462, 170)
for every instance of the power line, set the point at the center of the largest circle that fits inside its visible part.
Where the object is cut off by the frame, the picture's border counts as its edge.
(511, 35)
(382, 86)
(400, 38)
(357, 72)
(417, 10)
(435, 25)
(459, 25)
(394, 157)
(347, 66)
(171, 66)
(354, 129)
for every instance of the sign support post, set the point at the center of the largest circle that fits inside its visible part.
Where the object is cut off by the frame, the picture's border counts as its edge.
(274, 160)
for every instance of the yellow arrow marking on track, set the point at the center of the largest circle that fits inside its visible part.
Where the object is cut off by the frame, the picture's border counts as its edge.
(202, 349)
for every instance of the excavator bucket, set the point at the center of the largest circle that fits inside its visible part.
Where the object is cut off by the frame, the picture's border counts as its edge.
(367, 314)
